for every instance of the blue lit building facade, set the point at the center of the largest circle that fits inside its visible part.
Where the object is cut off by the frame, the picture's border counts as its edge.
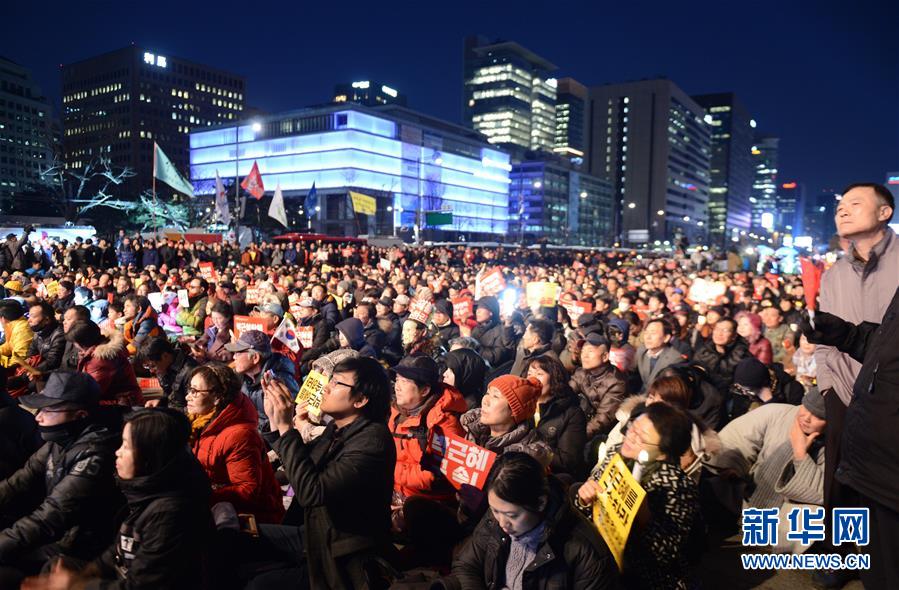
(410, 163)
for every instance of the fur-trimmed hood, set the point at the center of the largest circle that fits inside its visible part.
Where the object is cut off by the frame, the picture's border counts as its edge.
(109, 350)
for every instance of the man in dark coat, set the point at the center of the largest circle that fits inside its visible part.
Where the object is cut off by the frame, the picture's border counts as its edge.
(444, 328)
(172, 367)
(49, 340)
(497, 339)
(870, 444)
(344, 530)
(723, 353)
(69, 480)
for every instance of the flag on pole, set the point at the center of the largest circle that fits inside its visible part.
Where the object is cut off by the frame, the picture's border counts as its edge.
(363, 203)
(311, 202)
(222, 212)
(165, 171)
(287, 333)
(276, 209)
(253, 183)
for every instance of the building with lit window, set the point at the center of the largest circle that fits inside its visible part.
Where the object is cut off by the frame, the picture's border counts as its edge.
(790, 208)
(369, 93)
(26, 133)
(412, 165)
(571, 120)
(119, 103)
(553, 203)
(819, 217)
(730, 211)
(508, 94)
(764, 184)
(653, 142)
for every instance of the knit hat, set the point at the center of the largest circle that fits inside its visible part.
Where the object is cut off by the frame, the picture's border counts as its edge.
(814, 403)
(521, 395)
(752, 374)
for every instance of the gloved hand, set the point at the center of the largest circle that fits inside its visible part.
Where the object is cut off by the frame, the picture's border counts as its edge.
(829, 329)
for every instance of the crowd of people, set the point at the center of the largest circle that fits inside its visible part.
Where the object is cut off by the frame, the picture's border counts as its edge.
(150, 439)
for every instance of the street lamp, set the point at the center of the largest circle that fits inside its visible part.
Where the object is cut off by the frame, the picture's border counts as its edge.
(257, 126)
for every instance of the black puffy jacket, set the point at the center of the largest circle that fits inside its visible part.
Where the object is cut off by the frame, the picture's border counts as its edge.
(497, 342)
(571, 554)
(164, 540)
(563, 426)
(19, 438)
(76, 496)
(50, 343)
(721, 367)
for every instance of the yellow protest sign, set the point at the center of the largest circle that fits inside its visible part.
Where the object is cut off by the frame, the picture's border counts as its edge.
(543, 294)
(363, 203)
(312, 390)
(617, 505)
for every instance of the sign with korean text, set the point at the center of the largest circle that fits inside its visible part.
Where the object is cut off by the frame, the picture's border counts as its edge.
(576, 309)
(463, 308)
(254, 295)
(245, 323)
(312, 390)
(617, 505)
(543, 294)
(489, 284)
(304, 334)
(461, 461)
(207, 271)
(420, 310)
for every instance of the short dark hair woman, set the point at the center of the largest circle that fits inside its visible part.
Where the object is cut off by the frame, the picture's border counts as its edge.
(531, 537)
(164, 539)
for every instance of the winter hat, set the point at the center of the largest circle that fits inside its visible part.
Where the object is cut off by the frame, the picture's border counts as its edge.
(521, 394)
(814, 403)
(445, 307)
(752, 374)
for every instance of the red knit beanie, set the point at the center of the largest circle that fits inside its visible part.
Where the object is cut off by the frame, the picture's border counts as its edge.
(521, 395)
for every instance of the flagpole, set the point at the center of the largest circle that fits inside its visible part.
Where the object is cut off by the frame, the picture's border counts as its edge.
(237, 184)
(155, 200)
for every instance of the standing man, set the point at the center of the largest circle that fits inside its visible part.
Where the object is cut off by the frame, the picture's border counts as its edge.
(857, 289)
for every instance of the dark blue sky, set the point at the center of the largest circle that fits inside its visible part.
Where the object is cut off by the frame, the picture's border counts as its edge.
(824, 76)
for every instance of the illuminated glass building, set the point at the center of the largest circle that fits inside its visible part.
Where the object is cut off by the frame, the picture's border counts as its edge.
(369, 93)
(571, 120)
(119, 103)
(653, 142)
(508, 94)
(819, 217)
(730, 211)
(764, 184)
(551, 202)
(410, 163)
(26, 136)
(790, 208)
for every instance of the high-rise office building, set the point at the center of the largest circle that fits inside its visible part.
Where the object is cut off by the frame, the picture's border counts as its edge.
(571, 120)
(790, 208)
(551, 201)
(508, 94)
(653, 142)
(420, 170)
(764, 184)
(368, 93)
(26, 133)
(731, 166)
(819, 217)
(119, 103)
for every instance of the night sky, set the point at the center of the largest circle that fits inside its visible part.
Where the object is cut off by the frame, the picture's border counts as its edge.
(823, 76)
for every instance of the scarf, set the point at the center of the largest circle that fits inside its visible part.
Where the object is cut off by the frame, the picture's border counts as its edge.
(522, 552)
(198, 422)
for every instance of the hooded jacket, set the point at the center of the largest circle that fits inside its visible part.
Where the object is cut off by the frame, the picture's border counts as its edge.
(470, 372)
(76, 495)
(233, 455)
(570, 554)
(411, 434)
(165, 537)
(109, 365)
(352, 330)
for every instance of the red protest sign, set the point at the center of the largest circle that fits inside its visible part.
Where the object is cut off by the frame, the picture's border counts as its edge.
(576, 309)
(149, 384)
(420, 310)
(254, 295)
(490, 284)
(304, 333)
(463, 308)
(462, 462)
(245, 323)
(346, 252)
(207, 271)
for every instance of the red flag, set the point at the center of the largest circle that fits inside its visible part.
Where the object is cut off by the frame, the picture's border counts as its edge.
(811, 281)
(253, 183)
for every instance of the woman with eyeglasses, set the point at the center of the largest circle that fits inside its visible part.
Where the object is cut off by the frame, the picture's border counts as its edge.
(164, 536)
(225, 439)
(656, 553)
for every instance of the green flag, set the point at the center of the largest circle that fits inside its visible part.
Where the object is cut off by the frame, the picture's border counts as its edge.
(164, 170)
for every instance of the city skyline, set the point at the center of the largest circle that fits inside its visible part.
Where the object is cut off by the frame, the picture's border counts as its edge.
(805, 85)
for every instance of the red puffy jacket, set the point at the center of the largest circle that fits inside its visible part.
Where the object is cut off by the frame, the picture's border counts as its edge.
(231, 451)
(110, 366)
(411, 432)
